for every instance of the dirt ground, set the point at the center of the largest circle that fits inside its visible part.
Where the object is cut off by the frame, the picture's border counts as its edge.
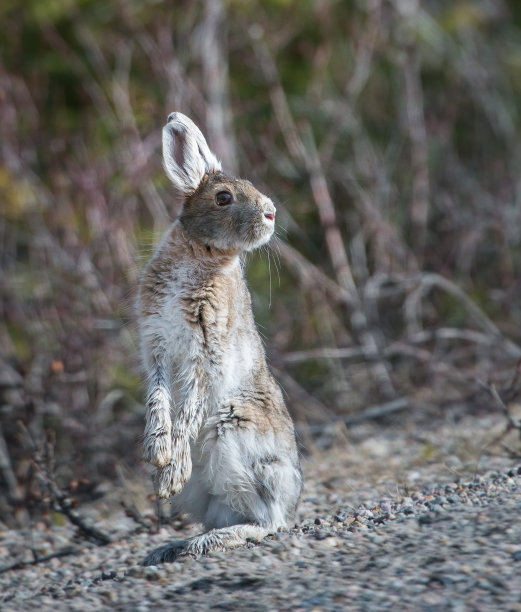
(403, 515)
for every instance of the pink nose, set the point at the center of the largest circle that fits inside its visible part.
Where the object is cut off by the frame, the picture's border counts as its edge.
(269, 216)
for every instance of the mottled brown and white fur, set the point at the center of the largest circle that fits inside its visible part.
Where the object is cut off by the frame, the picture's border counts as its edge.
(216, 424)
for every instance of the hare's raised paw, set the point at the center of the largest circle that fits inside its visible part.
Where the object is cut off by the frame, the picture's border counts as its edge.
(172, 478)
(168, 553)
(157, 448)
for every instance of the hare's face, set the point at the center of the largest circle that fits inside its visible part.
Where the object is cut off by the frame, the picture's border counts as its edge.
(219, 211)
(228, 214)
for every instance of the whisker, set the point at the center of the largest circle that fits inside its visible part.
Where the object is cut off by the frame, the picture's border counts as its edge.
(275, 249)
(269, 273)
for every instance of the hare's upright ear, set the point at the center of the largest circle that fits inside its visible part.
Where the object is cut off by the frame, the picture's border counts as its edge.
(186, 156)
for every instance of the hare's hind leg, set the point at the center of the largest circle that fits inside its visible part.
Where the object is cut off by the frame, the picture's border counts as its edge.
(225, 538)
(246, 484)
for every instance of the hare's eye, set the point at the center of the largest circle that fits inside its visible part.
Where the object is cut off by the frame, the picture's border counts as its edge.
(223, 198)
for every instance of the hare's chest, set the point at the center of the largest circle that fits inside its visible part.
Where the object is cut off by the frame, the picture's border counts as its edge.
(197, 320)
(206, 324)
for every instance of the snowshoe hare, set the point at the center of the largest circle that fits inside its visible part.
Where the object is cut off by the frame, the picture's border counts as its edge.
(216, 424)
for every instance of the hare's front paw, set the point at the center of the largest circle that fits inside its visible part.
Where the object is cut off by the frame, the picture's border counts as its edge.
(172, 477)
(157, 447)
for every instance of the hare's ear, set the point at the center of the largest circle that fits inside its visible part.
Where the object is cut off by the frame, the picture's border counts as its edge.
(186, 156)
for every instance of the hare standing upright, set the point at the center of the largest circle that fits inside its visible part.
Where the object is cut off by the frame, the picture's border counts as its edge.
(216, 424)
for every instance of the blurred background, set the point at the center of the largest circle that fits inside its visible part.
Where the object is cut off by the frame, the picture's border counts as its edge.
(387, 132)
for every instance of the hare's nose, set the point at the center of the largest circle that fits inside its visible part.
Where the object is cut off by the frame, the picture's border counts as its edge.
(270, 211)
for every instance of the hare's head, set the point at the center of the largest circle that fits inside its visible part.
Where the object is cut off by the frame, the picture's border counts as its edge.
(219, 211)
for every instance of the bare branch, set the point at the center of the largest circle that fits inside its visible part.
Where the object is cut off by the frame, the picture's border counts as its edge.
(63, 502)
(492, 390)
(215, 82)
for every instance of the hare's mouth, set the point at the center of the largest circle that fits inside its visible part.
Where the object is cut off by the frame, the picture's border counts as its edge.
(262, 232)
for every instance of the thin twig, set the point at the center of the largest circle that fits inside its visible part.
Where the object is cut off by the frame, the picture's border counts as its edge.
(513, 390)
(512, 423)
(292, 387)
(419, 152)
(65, 505)
(372, 413)
(426, 282)
(7, 470)
(129, 506)
(64, 552)
(396, 348)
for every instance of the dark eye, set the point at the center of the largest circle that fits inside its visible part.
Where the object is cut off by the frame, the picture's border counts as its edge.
(223, 198)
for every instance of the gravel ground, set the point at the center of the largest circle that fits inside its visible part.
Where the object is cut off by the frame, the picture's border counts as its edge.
(390, 518)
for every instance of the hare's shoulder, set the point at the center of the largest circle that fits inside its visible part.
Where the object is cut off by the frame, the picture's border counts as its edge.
(159, 284)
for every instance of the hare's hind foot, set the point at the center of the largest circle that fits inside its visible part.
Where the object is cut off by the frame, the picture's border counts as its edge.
(225, 538)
